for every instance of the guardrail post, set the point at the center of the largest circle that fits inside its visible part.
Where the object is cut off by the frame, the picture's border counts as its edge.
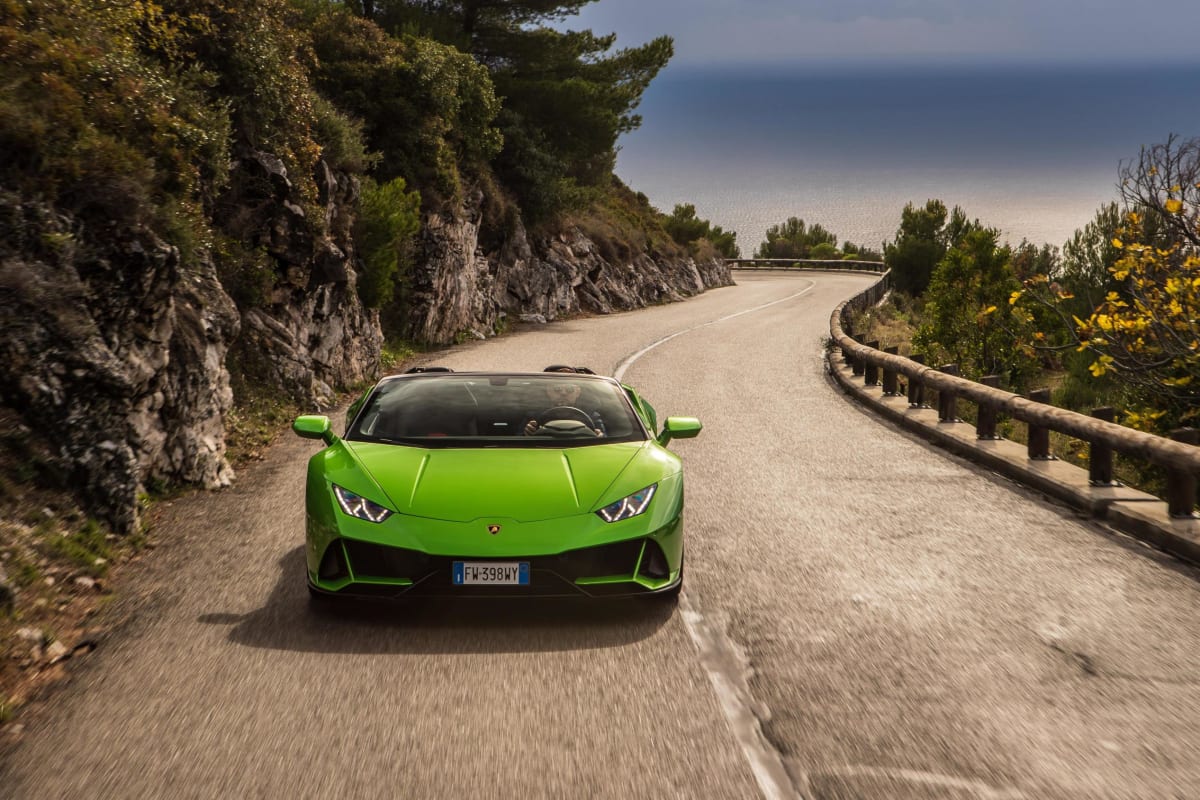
(1100, 454)
(1039, 437)
(889, 375)
(916, 389)
(985, 427)
(871, 371)
(1181, 484)
(948, 401)
(856, 365)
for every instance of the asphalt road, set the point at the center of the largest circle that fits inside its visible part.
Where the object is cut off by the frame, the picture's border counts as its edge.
(864, 617)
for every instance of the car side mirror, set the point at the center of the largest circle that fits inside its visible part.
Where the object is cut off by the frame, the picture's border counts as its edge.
(314, 426)
(679, 428)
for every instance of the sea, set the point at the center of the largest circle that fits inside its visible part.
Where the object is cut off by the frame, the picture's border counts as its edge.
(1033, 150)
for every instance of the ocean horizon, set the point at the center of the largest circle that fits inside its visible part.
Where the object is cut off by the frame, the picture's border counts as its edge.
(1033, 150)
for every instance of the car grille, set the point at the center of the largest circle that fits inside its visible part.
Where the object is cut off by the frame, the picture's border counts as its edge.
(550, 574)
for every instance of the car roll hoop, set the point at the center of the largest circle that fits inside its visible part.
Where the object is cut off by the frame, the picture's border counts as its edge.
(565, 368)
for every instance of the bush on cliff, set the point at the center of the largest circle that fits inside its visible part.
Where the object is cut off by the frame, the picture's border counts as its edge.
(568, 95)
(688, 229)
(388, 217)
(97, 118)
(427, 109)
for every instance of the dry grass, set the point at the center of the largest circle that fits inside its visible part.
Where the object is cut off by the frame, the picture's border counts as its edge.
(59, 564)
(892, 324)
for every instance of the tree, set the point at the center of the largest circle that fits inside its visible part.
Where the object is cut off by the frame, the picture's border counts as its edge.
(924, 236)
(1149, 336)
(475, 23)
(793, 239)
(1163, 185)
(388, 218)
(1088, 256)
(860, 253)
(687, 229)
(968, 320)
(1145, 331)
(427, 109)
(918, 247)
(568, 95)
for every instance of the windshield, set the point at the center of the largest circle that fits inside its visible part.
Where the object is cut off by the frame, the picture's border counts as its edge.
(551, 410)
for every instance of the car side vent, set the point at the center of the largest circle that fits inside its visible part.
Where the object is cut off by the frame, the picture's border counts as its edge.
(333, 563)
(654, 562)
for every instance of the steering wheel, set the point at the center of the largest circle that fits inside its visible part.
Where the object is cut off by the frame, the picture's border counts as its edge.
(564, 413)
(566, 422)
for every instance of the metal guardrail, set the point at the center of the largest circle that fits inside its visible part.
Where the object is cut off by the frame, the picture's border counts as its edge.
(1179, 456)
(804, 264)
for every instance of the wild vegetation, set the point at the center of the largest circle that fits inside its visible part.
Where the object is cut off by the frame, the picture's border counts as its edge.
(688, 229)
(131, 111)
(794, 238)
(1110, 319)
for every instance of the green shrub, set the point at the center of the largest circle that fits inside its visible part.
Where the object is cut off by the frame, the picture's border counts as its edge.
(690, 230)
(248, 275)
(425, 107)
(388, 218)
(824, 251)
(342, 144)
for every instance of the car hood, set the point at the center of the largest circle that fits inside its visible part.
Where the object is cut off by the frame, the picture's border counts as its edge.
(462, 485)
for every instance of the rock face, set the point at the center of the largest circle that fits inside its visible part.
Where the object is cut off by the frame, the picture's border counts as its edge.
(458, 290)
(110, 341)
(313, 334)
(122, 349)
(118, 350)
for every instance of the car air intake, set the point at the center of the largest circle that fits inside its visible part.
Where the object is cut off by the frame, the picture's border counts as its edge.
(654, 562)
(379, 561)
(333, 563)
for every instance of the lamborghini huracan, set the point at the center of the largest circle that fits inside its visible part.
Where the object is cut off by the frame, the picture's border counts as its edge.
(479, 483)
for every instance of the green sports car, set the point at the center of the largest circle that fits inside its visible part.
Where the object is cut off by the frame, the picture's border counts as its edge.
(472, 483)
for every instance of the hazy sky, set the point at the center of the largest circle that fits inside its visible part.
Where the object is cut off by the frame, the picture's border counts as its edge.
(749, 31)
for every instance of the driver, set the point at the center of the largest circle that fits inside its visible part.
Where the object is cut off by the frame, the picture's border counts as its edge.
(563, 394)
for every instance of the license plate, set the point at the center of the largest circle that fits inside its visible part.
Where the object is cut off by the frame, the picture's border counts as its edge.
(493, 573)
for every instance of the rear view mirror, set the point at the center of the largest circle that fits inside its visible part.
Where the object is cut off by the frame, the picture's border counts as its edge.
(679, 428)
(314, 426)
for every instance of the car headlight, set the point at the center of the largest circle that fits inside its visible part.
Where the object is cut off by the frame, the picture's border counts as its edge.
(629, 506)
(360, 507)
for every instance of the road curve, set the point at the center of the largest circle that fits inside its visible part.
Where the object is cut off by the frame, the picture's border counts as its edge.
(905, 625)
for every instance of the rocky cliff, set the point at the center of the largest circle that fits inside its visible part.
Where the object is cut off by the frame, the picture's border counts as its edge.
(119, 351)
(458, 289)
(115, 354)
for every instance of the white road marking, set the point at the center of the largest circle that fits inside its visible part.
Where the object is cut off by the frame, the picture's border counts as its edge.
(729, 673)
(619, 372)
(723, 660)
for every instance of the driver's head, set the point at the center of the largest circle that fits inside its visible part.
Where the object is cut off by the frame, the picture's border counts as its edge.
(563, 393)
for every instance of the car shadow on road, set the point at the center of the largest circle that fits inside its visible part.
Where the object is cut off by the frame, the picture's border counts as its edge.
(291, 621)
